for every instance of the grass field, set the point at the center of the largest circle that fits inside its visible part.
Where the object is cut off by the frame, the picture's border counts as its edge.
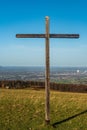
(24, 110)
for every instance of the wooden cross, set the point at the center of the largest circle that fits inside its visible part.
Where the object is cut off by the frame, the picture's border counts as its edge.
(47, 72)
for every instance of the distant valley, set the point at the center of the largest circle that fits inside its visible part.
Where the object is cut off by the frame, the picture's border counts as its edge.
(73, 75)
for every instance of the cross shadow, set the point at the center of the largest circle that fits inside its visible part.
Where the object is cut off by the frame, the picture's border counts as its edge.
(69, 118)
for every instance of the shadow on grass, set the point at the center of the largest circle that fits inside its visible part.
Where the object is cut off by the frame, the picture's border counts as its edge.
(69, 118)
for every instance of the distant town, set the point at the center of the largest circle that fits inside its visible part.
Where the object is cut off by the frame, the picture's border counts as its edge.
(73, 75)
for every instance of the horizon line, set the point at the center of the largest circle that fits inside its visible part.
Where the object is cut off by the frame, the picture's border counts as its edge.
(36, 66)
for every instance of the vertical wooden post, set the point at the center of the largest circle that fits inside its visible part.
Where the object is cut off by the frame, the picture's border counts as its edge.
(47, 75)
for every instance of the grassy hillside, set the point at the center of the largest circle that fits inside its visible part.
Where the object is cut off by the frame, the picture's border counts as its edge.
(24, 110)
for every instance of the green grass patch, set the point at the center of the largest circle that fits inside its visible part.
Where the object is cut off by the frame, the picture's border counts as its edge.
(24, 110)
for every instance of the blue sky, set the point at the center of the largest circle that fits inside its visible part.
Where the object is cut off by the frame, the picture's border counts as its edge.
(28, 16)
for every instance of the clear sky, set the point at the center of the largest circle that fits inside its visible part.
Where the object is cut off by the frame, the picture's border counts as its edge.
(28, 16)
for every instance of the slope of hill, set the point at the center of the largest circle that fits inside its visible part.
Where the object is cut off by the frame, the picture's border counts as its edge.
(24, 110)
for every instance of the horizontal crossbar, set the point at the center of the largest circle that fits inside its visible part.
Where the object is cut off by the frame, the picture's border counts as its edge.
(50, 35)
